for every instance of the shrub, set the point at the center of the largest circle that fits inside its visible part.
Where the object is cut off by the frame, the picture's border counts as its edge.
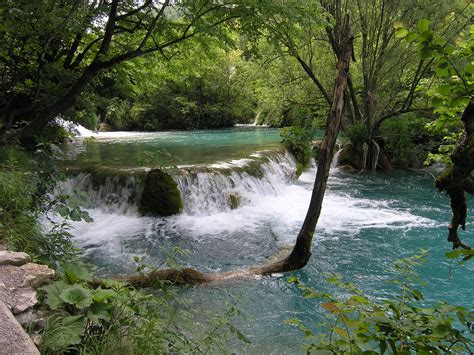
(298, 142)
(116, 318)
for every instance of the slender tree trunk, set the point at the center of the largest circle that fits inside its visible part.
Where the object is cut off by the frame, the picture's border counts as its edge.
(301, 252)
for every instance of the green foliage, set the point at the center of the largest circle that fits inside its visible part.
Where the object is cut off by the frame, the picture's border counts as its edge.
(454, 71)
(406, 140)
(115, 318)
(298, 142)
(27, 182)
(357, 133)
(404, 324)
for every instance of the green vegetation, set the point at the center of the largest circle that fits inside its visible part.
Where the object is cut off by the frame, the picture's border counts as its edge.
(115, 318)
(403, 324)
(406, 98)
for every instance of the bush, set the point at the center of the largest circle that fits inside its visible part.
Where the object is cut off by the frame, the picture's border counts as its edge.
(298, 142)
(115, 318)
(27, 181)
(357, 133)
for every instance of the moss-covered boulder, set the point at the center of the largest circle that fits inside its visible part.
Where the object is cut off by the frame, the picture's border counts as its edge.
(161, 196)
(351, 156)
(234, 201)
(316, 149)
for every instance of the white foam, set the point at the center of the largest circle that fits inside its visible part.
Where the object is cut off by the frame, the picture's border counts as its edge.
(270, 202)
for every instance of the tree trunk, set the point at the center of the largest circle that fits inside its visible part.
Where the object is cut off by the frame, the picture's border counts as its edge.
(455, 180)
(301, 252)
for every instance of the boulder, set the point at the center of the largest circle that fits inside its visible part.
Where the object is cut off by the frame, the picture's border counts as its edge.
(13, 258)
(13, 339)
(350, 156)
(234, 201)
(36, 275)
(161, 196)
(24, 298)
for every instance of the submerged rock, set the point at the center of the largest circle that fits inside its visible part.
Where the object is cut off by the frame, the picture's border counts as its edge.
(234, 201)
(161, 196)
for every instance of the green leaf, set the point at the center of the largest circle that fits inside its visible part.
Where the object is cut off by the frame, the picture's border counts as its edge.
(469, 69)
(69, 332)
(100, 295)
(53, 291)
(424, 25)
(401, 32)
(411, 37)
(426, 52)
(75, 273)
(397, 25)
(444, 90)
(441, 330)
(78, 296)
(417, 294)
(99, 311)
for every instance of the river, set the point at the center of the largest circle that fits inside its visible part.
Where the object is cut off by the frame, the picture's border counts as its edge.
(367, 222)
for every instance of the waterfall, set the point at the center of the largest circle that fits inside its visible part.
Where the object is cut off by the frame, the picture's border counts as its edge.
(112, 194)
(211, 192)
(335, 159)
(204, 190)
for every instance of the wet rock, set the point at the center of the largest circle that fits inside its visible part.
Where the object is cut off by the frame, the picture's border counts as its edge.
(351, 156)
(161, 196)
(13, 258)
(36, 275)
(234, 201)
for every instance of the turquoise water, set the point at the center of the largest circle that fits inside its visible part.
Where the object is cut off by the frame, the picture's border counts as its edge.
(130, 150)
(367, 222)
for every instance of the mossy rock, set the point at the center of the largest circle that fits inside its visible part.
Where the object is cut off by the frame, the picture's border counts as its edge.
(234, 201)
(161, 196)
(316, 149)
(350, 156)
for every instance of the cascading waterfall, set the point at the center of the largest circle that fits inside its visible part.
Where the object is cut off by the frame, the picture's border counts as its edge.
(112, 194)
(207, 193)
(204, 192)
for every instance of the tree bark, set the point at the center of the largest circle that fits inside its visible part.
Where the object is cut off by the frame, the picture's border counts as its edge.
(455, 180)
(301, 252)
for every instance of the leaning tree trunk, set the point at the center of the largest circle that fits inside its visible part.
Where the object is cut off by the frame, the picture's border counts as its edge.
(301, 252)
(456, 180)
